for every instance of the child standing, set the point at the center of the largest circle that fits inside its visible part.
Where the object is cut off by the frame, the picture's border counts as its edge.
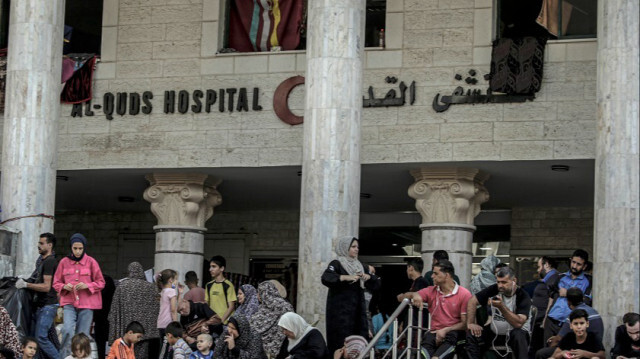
(205, 341)
(80, 347)
(579, 343)
(122, 348)
(180, 348)
(167, 283)
(29, 348)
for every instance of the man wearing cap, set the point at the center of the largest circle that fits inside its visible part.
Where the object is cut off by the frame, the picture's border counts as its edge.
(78, 280)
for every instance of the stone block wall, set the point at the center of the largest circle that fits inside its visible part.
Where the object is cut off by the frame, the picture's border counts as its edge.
(552, 228)
(159, 45)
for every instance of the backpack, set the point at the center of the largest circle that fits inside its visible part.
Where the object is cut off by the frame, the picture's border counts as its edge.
(225, 288)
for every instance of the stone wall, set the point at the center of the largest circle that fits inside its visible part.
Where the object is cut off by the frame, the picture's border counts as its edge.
(552, 228)
(262, 231)
(163, 45)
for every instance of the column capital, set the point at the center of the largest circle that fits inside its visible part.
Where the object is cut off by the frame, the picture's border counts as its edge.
(182, 199)
(451, 195)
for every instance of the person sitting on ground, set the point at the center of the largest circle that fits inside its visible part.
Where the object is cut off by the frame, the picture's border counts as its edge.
(627, 343)
(198, 318)
(29, 348)
(575, 299)
(9, 341)
(438, 256)
(353, 346)
(447, 303)
(122, 348)
(247, 300)
(486, 277)
(195, 293)
(205, 342)
(180, 348)
(579, 343)
(510, 308)
(302, 340)
(239, 341)
(80, 347)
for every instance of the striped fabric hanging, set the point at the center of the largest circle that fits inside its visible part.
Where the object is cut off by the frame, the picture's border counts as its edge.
(260, 25)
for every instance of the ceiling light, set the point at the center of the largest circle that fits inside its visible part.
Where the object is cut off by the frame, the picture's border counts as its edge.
(486, 248)
(560, 168)
(394, 244)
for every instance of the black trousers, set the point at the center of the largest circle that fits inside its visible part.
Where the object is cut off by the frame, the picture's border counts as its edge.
(446, 349)
(551, 328)
(518, 342)
(545, 353)
(537, 338)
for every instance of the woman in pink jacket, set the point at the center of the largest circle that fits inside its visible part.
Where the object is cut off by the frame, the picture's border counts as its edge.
(78, 280)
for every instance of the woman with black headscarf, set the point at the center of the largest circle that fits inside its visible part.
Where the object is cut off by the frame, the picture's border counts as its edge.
(136, 299)
(347, 278)
(265, 321)
(239, 341)
(78, 280)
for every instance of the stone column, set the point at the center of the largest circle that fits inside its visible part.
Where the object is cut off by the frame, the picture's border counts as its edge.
(32, 110)
(330, 199)
(182, 202)
(616, 209)
(448, 200)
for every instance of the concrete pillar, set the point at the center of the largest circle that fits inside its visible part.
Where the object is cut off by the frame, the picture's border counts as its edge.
(32, 110)
(182, 202)
(330, 199)
(616, 209)
(449, 199)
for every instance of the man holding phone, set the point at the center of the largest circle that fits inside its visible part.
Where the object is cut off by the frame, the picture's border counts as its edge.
(509, 309)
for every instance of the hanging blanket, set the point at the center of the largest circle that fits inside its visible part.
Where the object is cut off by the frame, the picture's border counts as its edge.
(261, 25)
(78, 87)
(516, 65)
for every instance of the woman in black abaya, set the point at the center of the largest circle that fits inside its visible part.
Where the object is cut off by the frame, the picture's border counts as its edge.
(347, 278)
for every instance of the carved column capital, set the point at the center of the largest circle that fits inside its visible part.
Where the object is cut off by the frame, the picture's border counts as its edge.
(182, 199)
(449, 195)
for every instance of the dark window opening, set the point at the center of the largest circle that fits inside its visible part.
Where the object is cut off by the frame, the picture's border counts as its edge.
(4, 24)
(250, 26)
(556, 19)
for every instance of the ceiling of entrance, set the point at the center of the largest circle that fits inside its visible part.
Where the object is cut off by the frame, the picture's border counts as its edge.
(384, 186)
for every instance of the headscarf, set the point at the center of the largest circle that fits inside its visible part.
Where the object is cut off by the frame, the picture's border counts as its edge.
(351, 265)
(9, 334)
(485, 278)
(281, 289)
(295, 324)
(354, 345)
(264, 321)
(134, 299)
(247, 341)
(250, 304)
(78, 237)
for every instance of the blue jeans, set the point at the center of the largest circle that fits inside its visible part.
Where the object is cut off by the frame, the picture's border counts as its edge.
(44, 320)
(76, 321)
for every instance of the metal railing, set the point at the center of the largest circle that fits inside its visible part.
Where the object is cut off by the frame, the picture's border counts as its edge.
(412, 350)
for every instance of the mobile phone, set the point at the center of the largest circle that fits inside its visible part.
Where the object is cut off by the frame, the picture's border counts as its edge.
(495, 298)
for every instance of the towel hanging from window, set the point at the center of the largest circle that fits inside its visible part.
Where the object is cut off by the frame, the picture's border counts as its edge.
(516, 65)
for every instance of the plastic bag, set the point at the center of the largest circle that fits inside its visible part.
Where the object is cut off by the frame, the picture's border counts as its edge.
(18, 303)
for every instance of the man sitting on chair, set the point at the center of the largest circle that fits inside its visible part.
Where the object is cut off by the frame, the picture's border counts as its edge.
(447, 303)
(509, 310)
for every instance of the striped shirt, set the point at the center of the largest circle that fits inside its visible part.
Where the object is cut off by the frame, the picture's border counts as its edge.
(120, 350)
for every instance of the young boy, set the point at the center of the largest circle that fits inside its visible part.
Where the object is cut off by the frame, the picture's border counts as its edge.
(205, 341)
(173, 333)
(579, 343)
(195, 293)
(220, 293)
(122, 348)
(29, 348)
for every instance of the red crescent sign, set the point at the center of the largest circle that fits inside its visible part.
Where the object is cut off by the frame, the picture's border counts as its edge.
(281, 100)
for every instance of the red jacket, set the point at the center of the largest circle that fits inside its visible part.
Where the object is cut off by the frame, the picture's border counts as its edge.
(85, 270)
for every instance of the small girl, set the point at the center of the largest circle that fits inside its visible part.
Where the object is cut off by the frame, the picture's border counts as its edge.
(167, 282)
(29, 348)
(80, 347)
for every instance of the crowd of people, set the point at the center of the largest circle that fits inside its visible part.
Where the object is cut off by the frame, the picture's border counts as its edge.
(549, 318)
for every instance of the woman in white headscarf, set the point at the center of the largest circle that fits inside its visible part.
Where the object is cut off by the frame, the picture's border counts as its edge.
(347, 278)
(303, 341)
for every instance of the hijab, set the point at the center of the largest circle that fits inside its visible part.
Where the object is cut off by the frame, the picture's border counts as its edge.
(78, 238)
(265, 320)
(250, 304)
(485, 278)
(247, 341)
(295, 324)
(351, 265)
(354, 345)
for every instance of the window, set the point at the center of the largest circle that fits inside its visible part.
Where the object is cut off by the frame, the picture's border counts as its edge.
(83, 18)
(276, 25)
(557, 19)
